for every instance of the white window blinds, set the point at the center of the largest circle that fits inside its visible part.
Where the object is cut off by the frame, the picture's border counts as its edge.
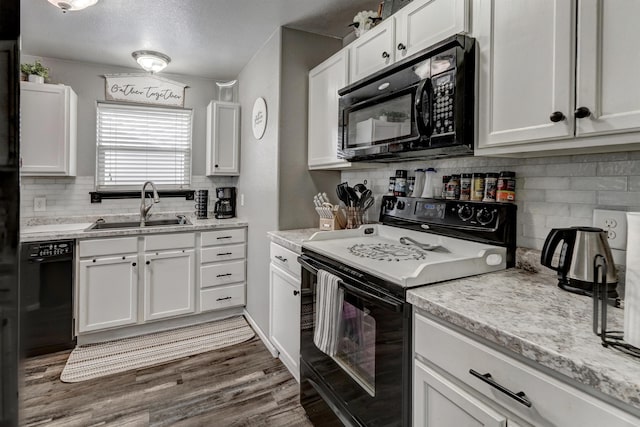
(139, 143)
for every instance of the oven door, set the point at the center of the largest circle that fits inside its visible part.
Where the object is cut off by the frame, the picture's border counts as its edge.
(367, 381)
(386, 124)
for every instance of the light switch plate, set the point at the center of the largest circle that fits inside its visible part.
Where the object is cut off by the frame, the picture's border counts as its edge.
(40, 204)
(615, 224)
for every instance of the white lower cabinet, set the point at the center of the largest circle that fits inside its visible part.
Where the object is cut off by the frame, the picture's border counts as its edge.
(445, 386)
(107, 296)
(438, 402)
(284, 322)
(169, 285)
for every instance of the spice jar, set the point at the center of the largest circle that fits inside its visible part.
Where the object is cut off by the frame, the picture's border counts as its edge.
(453, 188)
(410, 185)
(465, 186)
(477, 186)
(490, 184)
(392, 185)
(445, 181)
(506, 187)
(401, 183)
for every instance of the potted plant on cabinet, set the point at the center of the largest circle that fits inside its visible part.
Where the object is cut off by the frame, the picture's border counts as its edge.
(36, 72)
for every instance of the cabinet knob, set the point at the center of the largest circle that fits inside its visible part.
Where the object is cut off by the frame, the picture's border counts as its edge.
(124, 257)
(94, 260)
(582, 112)
(134, 264)
(295, 293)
(215, 166)
(401, 46)
(148, 262)
(385, 55)
(557, 116)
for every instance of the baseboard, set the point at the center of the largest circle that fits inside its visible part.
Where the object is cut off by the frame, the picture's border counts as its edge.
(264, 337)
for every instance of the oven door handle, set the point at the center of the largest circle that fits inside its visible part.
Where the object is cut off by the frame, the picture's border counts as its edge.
(396, 306)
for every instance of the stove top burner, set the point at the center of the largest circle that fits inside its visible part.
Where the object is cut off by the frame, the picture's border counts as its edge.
(387, 252)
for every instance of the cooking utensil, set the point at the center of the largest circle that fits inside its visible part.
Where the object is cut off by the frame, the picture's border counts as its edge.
(341, 192)
(360, 188)
(352, 196)
(364, 197)
(423, 246)
(367, 203)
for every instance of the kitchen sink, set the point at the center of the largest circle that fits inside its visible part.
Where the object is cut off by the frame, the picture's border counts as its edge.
(101, 225)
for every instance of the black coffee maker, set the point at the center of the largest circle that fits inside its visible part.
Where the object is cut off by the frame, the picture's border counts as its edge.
(226, 205)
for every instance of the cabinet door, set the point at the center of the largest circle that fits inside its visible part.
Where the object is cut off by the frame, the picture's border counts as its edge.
(423, 23)
(223, 138)
(607, 68)
(169, 285)
(525, 71)
(47, 129)
(284, 318)
(107, 292)
(373, 51)
(438, 402)
(324, 82)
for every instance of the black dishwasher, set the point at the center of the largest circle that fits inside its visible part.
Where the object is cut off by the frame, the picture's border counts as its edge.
(46, 296)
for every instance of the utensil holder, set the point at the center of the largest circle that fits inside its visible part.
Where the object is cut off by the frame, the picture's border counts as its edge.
(354, 217)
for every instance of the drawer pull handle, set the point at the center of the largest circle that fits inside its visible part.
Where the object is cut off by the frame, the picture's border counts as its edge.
(224, 237)
(223, 275)
(222, 299)
(225, 253)
(295, 293)
(281, 258)
(520, 396)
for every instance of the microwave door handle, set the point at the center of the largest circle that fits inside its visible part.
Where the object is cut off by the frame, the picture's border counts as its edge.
(424, 127)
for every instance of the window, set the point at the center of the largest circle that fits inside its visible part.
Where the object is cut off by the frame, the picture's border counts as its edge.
(140, 143)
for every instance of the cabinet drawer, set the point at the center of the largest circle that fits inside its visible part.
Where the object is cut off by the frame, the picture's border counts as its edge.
(221, 297)
(285, 259)
(223, 237)
(169, 241)
(222, 273)
(552, 401)
(222, 253)
(123, 245)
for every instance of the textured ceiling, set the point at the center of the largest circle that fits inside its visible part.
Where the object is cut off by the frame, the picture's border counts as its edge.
(210, 38)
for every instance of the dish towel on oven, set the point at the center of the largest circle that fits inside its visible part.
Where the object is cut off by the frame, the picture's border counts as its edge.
(329, 298)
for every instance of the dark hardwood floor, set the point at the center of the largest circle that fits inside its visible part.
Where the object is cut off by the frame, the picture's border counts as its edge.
(241, 385)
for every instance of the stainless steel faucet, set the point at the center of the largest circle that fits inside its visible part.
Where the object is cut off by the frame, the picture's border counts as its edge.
(144, 208)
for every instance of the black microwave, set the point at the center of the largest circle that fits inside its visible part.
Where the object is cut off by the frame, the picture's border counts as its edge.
(420, 107)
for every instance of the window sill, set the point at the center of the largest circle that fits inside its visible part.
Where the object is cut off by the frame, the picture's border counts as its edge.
(97, 196)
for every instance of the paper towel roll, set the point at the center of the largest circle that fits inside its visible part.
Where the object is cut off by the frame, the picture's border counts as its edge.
(632, 281)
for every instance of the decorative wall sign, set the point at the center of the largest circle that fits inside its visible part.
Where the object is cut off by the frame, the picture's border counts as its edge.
(259, 118)
(144, 88)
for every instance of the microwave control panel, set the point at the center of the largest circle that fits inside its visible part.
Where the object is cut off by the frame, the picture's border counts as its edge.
(443, 87)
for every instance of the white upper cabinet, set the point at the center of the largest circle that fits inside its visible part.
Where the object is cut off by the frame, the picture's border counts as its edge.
(421, 24)
(373, 51)
(48, 129)
(556, 75)
(324, 82)
(607, 68)
(223, 138)
(416, 26)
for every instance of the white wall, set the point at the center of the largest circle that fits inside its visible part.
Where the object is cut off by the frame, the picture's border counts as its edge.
(278, 189)
(71, 195)
(552, 192)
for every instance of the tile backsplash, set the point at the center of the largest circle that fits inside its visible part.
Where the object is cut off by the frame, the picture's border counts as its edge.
(70, 197)
(551, 192)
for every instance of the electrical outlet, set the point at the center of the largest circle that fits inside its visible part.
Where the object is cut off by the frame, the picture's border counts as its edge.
(242, 199)
(615, 224)
(39, 204)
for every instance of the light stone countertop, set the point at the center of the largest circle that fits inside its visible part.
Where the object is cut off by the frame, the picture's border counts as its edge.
(526, 313)
(292, 239)
(74, 227)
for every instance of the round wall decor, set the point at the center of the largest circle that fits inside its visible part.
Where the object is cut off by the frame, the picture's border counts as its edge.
(259, 118)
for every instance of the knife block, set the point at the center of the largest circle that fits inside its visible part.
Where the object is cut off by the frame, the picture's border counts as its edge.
(329, 219)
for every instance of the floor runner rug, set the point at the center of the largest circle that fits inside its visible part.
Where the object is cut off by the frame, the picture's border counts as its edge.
(98, 360)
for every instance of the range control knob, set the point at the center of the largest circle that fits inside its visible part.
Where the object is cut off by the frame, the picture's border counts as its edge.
(390, 203)
(485, 216)
(400, 205)
(465, 212)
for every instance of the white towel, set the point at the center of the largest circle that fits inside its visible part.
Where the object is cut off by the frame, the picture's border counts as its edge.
(329, 298)
(632, 281)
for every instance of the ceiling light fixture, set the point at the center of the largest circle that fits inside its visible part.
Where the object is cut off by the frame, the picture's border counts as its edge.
(72, 5)
(150, 60)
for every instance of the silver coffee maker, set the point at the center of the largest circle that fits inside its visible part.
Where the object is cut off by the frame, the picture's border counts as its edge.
(575, 268)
